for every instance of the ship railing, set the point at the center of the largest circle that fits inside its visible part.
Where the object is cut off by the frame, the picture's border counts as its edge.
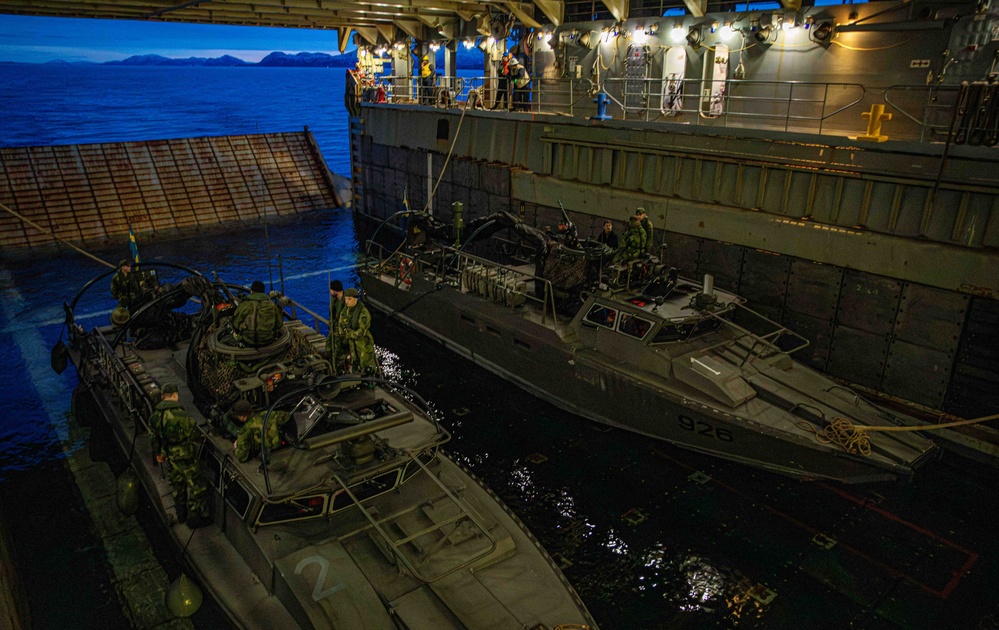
(831, 108)
(129, 391)
(931, 107)
(757, 336)
(445, 527)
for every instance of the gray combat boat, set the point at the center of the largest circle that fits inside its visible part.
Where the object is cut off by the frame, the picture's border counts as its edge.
(633, 345)
(358, 519)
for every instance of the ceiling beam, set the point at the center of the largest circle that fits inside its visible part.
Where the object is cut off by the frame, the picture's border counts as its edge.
(619, 8)
(369, 33)
(413, 28)
(343, 38)
(554, 10)
(521, 14)
(697, 8)
(387, 31)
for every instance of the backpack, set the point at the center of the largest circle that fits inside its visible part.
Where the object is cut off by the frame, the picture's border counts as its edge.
(262, 320)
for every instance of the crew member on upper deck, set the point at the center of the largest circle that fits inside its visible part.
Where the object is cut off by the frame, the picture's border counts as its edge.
(607, 235)
(125, 285)
(427, 74)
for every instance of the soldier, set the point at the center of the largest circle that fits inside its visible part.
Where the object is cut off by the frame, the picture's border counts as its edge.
(125, 286)
(334, 343)
(174, 439)
(354, 327)
(634, 242)
(247, 444)
(236, 419)
(647, 226)
(257, 320)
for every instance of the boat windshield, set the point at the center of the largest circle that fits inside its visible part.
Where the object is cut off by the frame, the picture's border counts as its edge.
(600, 315)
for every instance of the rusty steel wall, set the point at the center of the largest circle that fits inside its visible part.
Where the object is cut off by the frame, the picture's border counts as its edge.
(92, 192)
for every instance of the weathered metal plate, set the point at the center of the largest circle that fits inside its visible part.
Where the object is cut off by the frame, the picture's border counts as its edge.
(974, 386)
(682, 252)
(869, 302)
(814, 289)
(931, 317)
(817, 331)
(723, 261)
(858, 356)
(917, 373)
(764, 280)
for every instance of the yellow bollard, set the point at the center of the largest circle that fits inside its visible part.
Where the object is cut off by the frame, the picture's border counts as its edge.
(874, 118)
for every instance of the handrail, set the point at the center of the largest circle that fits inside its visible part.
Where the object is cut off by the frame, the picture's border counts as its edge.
(786, 105)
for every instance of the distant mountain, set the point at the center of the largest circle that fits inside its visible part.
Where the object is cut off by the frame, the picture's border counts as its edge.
(466, 59)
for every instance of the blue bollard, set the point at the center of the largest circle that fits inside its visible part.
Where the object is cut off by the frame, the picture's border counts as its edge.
(601, 100)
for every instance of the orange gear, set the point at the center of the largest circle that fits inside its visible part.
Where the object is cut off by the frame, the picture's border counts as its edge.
(406, 266)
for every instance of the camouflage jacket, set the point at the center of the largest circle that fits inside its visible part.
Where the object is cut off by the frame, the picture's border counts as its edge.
(354, 326)
(336, 307)
(257, 319)
(647, 226)
(248, 442)
(172, 432)
(125, 287)
(633, 244)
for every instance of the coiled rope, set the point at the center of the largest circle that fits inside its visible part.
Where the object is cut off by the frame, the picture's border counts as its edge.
(854, 439)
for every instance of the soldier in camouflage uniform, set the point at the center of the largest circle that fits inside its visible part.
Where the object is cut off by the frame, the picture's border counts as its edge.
(174, 439)
(354, 327)
(646, 222)
(335, 343)
(247, 444)
(257, 320)
(634, 242)
(234, 421)
(125, 285)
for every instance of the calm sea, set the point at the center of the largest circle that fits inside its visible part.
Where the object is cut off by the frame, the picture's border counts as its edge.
(651, 536)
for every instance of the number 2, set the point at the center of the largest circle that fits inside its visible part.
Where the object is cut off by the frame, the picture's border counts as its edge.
(324, 566)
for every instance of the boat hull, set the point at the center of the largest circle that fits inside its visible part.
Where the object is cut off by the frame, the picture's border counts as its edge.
(533, 356)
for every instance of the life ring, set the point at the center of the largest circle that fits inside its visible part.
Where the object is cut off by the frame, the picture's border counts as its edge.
(406, 266)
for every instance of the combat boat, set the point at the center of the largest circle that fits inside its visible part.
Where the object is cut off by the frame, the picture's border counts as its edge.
(631, 344)
(357, 520)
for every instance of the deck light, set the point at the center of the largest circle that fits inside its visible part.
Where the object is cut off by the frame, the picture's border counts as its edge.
(694, 37)
(822, 32)
(677, 34)
(727, 31)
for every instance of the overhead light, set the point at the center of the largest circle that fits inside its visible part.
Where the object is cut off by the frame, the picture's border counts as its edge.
(678, 33)
(822, 32)
(727, 31)
(788, 22)
(653, 29)
(361, 52)
(435, 46)
(639, 36)
(469, 44)
(490, 40)
(694, 37)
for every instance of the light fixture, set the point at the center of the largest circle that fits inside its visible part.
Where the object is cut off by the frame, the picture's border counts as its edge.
(435, 46)
(714, 27)
(653, 29)
(469, 44)
(694, 37)
(727, 31)
(639, 36)
(490, 41)
(822, 32)
(398, 46)
(677, 34)
(788, 22)
(362, 52)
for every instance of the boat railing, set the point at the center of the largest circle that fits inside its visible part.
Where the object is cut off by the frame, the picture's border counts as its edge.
(445, 527)
(749, 344)
(118, 375)
(473, 274)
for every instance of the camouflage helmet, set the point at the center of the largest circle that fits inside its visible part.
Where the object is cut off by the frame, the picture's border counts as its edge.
(120, 316)
(350, 293)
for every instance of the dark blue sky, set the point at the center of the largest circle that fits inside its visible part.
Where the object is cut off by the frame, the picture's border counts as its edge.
(40, 39)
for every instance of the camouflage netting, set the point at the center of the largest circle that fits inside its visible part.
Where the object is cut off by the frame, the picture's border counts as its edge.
(566, 269)
(218, 371)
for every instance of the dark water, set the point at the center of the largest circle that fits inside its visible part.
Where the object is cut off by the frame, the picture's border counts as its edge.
(651, 536)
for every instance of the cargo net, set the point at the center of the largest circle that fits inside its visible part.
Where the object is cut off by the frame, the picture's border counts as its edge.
(217, 372)
(570, 271)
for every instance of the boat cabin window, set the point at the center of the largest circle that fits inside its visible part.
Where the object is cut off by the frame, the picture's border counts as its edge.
(634, 326)
(293, 510)
(236, 496)
(685, 330)
(211, 467)
(601, 316)
(366, 489)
